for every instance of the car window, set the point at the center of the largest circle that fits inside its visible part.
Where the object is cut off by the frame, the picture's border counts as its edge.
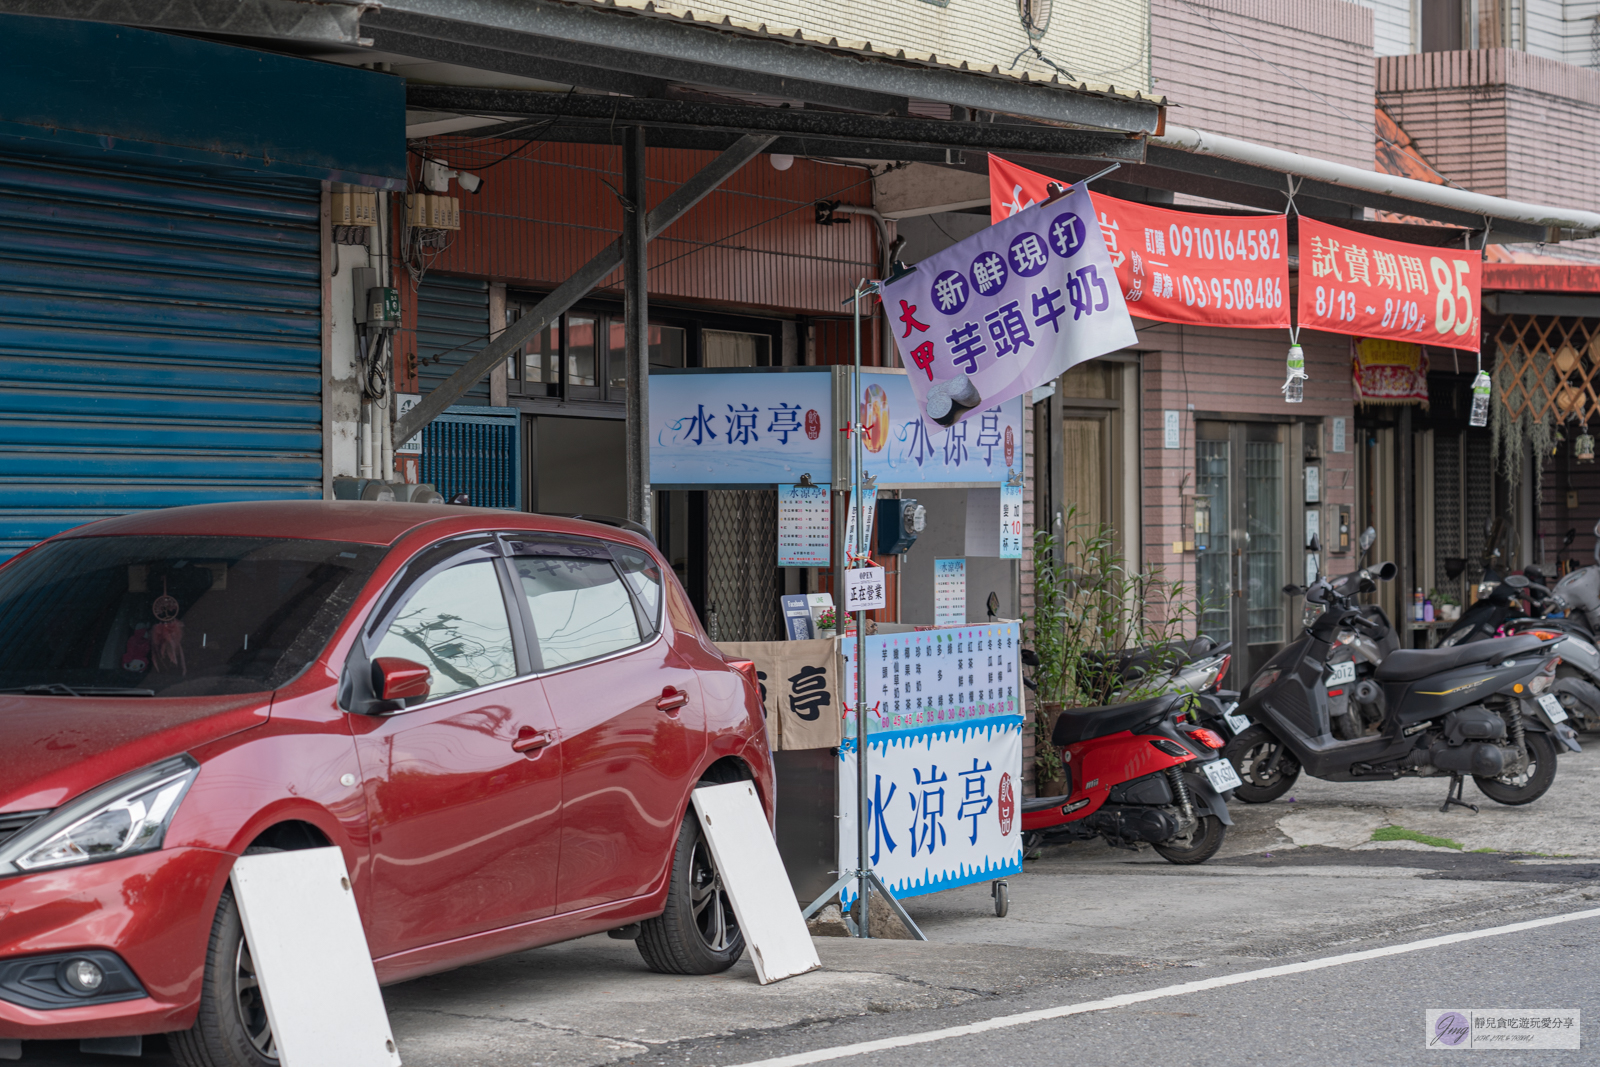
(580, 608)
(644, 578)
(173, 615)
(456, 624)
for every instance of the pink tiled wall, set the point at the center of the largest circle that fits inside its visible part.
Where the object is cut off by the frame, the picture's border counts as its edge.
(1295, 74)
(1231, 372)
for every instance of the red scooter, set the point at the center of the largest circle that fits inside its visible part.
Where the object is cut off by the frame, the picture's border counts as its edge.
(1137, 774)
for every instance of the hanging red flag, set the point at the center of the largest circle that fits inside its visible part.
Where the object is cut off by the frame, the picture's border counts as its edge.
(1176, 266)
(1365, 286)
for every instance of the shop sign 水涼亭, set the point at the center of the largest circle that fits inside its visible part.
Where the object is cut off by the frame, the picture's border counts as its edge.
(900, 447)
(762, 427)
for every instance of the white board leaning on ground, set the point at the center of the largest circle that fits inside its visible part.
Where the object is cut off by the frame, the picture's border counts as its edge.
(757, 884)
(311, 957)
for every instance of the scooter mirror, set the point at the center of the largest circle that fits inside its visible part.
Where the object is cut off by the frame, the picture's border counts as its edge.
(1293, 590)
(1517, 581)
(1314, 545)
(1569, 537)
(1385, 572)
(1370, 535)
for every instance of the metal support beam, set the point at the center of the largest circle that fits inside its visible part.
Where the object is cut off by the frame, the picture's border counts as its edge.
(485, 47)
(316, 21)
(574, 288)
(793, 122)
(736, 55)
(559, 71)
(697, 140)
(636, 323)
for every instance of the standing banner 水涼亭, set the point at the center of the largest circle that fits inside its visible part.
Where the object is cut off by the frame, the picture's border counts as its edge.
(1175, 266)
(944, 758)
(1364, 286)
(799, 683)
(1008, 309)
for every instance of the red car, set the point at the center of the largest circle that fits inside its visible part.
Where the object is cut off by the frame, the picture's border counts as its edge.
(497, 717)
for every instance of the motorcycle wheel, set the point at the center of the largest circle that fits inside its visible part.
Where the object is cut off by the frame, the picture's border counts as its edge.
(1531, 784)
(1202, 843)
(1249, 752)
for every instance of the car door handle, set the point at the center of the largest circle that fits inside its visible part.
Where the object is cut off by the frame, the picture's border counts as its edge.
(672, 699)
(530, 740)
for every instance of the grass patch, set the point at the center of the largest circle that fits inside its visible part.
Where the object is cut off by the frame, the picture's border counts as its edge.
(1483, 850)
(1400, 833)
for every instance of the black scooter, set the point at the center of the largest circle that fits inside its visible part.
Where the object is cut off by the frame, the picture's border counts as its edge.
(1457, 711)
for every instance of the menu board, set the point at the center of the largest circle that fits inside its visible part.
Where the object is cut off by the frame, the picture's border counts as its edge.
(1011, 522)
(949, 592)
(805, 534)
(928, 677)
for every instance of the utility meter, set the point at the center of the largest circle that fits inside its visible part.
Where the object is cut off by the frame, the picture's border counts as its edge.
(899, 523)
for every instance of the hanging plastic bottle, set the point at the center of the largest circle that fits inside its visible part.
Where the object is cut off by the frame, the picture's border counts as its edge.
(1294, 390)
(1480, 400)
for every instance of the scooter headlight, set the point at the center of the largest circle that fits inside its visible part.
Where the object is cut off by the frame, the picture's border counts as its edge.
(1263, 680)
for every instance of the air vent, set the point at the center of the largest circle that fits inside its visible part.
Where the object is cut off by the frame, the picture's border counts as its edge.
(13, 823)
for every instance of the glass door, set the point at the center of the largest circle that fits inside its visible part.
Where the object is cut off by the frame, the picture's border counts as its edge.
(1240, 570)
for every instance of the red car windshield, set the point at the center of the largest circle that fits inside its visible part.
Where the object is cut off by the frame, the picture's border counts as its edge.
(172, 615)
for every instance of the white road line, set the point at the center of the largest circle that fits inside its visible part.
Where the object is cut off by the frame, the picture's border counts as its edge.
(839, 1052)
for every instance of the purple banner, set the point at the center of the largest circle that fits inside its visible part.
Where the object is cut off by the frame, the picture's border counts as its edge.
(1008, 309)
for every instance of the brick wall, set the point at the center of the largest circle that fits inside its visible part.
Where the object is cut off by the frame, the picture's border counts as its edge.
(1499, 121)
(1296, 74)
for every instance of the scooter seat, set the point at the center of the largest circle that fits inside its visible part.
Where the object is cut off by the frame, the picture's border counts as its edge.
(1081, 724)
(1409, 664)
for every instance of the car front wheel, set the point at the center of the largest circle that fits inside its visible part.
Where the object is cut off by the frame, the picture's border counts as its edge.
(697, 933)
(232, 1028)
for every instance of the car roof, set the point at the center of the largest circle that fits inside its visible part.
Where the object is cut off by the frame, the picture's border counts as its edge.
(360, 521)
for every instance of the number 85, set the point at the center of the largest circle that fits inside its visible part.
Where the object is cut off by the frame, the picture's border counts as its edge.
(1445, 315)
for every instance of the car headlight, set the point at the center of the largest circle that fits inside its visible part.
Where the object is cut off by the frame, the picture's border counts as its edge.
(120, 818)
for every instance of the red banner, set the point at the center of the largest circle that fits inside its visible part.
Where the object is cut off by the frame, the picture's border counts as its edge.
(1369, 287)
(1176, 266)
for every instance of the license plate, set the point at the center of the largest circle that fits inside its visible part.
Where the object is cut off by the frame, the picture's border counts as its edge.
(1236, 722)
(1552, 707)
(1340, 674)
(1222, 775)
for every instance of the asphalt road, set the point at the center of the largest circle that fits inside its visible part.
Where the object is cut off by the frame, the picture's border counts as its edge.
(1362, 1012)
(1294, 881)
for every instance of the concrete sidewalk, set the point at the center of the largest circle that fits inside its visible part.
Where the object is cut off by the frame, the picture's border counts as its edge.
(1292, 878)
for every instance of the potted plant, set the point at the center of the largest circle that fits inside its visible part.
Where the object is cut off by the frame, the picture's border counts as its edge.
(827, 623)
(1091, 609)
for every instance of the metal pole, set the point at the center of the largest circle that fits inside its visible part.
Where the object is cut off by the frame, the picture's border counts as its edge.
(864, 863)
(636, 323)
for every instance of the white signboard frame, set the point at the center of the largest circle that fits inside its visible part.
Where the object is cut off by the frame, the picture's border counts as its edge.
(944, 730)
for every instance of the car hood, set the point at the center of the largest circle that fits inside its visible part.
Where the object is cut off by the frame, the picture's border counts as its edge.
(55, 747)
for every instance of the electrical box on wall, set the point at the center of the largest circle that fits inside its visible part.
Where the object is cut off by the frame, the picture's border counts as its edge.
(1341, 539)
(383, 306)
(899, 523)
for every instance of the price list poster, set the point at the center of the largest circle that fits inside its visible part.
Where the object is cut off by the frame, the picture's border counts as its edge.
(804, 531)
(944, 729)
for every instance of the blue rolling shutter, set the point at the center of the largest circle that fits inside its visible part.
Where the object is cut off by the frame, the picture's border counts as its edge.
(471, 448)
(160, 342)
(452, 326)
(477, 451)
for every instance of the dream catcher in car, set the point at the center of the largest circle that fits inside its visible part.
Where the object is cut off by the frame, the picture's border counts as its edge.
(166, 636)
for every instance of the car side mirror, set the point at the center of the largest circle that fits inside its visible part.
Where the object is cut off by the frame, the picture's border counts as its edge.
(397, 679)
